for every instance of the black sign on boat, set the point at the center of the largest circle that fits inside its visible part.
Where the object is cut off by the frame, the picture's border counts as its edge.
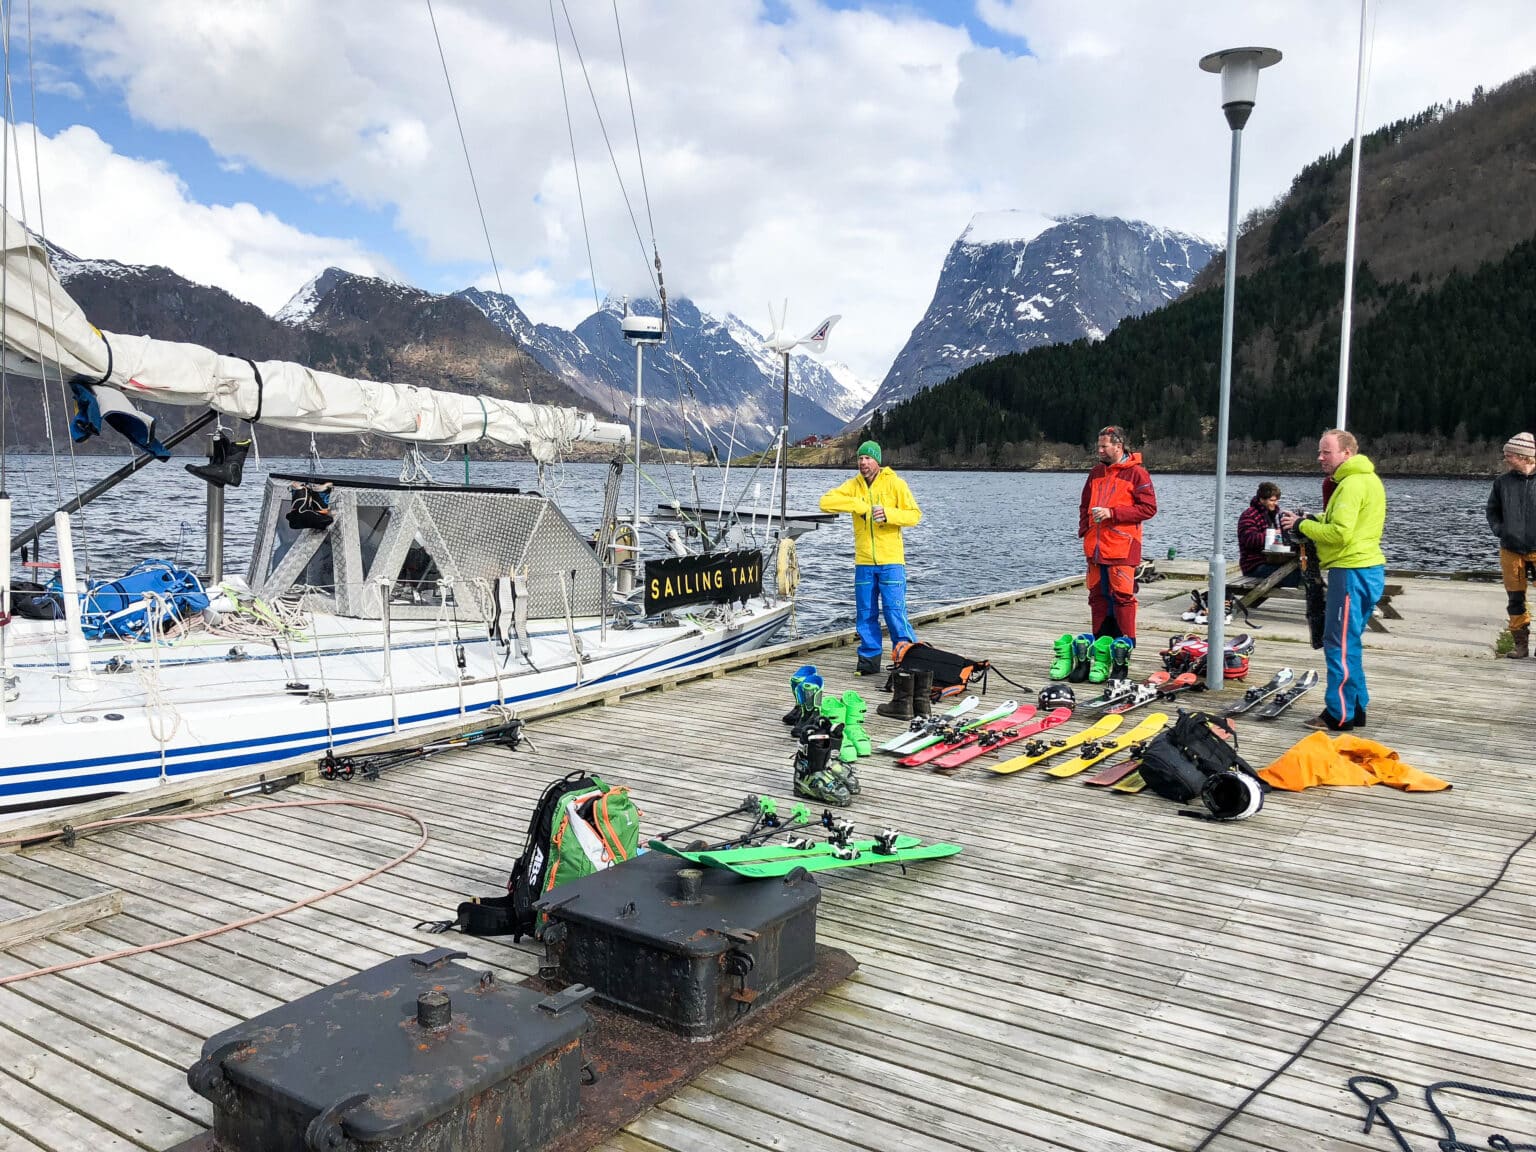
(716, 578)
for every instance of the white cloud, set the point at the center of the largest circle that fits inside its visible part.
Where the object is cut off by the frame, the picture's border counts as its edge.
(102, 205)
(831, 158)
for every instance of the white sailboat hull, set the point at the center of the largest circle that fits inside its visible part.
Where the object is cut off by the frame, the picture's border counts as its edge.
(188, 710)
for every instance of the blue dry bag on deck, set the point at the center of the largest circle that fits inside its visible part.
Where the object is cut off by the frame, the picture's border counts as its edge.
(119, 608)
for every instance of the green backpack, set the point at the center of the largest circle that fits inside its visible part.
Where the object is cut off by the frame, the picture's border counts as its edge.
(580, 825)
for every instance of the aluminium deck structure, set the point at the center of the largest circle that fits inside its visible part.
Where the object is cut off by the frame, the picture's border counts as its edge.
(1092, 973)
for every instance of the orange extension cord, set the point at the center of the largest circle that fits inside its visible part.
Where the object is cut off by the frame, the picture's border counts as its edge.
(249, 920)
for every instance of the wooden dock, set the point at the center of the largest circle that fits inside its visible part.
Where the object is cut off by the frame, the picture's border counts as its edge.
(1093, 972)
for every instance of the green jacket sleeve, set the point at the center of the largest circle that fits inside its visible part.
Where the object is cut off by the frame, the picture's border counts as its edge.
(849, 496)
(1339, 524)
(903, 510)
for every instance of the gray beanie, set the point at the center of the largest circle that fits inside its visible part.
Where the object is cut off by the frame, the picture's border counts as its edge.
(1521, 444)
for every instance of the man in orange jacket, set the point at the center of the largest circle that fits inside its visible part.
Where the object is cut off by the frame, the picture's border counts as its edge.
(1117, 497)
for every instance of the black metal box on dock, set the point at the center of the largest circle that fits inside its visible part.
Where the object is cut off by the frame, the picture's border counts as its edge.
(692, 961)
(415, 1055)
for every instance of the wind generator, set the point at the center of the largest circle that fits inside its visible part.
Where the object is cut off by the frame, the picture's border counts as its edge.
(781, 342)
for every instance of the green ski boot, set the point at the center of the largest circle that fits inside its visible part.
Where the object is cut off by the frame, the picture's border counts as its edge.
(1120, 658)
(854, 708)
(835, 713)
(1082, 657)
(1061, 667)
(1100, 657)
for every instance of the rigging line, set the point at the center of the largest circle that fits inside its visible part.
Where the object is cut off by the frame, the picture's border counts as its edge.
(634, 125)
(463, 143)
(5, 200)
(42, 224)
(607, 143)
(570, 133)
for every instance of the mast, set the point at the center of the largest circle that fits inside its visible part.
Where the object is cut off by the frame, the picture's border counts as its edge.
(1349, 231)
(784, 471)
(640, 331)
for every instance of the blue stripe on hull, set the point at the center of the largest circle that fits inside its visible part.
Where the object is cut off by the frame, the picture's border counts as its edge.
(184, 762)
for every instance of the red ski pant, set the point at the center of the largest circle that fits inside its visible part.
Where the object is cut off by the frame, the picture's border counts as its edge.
(1112, 599)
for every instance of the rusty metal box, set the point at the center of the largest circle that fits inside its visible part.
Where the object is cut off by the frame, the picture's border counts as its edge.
(690, 959)
(415, 1055)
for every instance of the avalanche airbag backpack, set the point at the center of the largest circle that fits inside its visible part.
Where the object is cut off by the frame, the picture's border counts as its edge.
(579, 826)
(952, 674)
(1189, 761)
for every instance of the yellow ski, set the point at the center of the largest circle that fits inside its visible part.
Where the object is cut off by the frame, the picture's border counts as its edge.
(1039, 749)
(1103, 749)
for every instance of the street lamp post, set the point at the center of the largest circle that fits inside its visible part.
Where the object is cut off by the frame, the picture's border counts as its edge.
(1239, 69)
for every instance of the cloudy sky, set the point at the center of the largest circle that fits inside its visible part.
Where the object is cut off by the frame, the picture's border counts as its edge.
(824, 152)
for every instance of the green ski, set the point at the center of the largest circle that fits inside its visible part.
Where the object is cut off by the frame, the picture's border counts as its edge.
(823, 861)
(725, 857)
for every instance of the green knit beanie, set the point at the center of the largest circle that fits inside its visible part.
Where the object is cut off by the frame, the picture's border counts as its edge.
(871, 449)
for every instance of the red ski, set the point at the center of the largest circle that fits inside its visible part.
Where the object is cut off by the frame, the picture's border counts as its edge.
(988, 741)
(928, 755)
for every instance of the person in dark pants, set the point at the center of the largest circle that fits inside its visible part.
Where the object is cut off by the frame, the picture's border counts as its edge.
(1348, 539)
(1117, 498)
(1512, 518)
(1262, 515)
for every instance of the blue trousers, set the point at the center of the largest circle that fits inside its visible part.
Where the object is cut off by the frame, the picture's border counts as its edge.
(880, 588)
(1352, 595)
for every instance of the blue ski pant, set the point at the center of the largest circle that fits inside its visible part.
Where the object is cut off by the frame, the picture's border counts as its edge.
(1352, 596)
(877, 589)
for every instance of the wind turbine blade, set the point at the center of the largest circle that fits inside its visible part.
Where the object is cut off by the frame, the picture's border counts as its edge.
(816, 339)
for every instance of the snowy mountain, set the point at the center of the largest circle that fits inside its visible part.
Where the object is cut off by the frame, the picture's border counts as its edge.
(1012, 282)
(708, 380)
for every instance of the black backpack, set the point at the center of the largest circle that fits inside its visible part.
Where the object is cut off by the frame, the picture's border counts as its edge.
(1178, 763)
(513, 914)
(952, 673)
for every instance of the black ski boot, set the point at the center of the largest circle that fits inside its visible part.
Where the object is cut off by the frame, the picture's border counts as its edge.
(868, 666)
(900, 706)
(817, 776)
(922, 692)
(226, 462)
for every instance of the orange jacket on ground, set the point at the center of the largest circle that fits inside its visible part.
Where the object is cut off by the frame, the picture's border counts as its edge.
(1319, 759)
(1126, 490)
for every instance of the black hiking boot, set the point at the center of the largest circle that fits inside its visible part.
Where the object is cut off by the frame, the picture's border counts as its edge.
(900, 705)
(226, 462)
(868, 666)
(922, 693)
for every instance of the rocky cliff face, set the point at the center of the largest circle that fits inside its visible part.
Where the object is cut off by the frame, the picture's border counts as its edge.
(1003, 290)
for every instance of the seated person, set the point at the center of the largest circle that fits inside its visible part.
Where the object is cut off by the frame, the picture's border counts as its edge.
(1261, 515)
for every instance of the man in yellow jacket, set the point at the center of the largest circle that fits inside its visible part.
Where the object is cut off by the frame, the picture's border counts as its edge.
(881, 505)
(1348, 539)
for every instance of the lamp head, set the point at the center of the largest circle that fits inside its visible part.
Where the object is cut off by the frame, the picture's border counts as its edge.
(1239, 68)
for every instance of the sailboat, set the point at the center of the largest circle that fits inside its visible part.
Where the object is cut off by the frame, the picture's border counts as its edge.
(370, 608)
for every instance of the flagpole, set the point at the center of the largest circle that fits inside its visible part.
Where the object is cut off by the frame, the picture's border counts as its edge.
(1349, 231)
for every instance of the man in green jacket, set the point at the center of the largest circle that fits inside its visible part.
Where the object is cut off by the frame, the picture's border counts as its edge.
(1348, 539)
(881, 505)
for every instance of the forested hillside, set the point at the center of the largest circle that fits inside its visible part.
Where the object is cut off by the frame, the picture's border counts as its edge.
(1444, 346)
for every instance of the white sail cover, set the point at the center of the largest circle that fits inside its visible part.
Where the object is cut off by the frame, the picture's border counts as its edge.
(43, 324)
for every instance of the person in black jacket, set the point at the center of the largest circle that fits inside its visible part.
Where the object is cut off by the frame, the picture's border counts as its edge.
(1512, 518)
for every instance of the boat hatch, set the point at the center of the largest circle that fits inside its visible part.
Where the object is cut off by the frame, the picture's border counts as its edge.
(436, 547)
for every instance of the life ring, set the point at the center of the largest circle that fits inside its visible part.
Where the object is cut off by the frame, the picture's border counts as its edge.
(788, 570)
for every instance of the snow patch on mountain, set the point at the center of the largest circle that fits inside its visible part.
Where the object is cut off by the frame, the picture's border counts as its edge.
(1009, 284)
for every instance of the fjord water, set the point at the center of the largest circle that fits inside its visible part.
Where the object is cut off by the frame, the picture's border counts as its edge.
(982, 532)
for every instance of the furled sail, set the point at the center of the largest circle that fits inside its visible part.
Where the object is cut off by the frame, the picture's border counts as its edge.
(43, 324)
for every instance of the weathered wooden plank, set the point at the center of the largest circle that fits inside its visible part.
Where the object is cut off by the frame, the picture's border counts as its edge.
(60, 918)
